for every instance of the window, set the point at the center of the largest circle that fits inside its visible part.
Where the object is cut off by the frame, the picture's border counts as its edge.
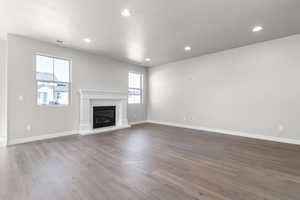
(135, 85)
(53, 80)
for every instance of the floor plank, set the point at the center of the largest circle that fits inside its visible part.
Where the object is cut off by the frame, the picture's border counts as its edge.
(150, 162)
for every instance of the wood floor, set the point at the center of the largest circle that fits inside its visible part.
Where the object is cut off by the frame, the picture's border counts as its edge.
(150, 162)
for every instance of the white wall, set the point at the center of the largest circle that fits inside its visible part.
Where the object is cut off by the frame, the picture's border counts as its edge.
(88, 72)
(2, 91)
(253, 89)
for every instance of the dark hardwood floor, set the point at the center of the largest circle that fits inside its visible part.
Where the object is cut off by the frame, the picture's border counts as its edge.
(150, 162)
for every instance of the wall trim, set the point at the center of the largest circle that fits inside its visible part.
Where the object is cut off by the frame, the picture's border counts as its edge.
(62, 134)
(220, 131)
(229, 132)
(41, 137)
(138, 122)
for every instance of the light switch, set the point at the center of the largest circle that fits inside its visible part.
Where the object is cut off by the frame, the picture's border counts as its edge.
(28, 127)
(21, 98)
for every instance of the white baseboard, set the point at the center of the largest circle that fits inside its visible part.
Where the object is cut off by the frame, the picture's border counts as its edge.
(229, 132)
(138, 122)
(41, 137)
(61, 134)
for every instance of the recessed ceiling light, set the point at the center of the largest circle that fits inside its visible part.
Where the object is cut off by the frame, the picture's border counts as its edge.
(257, 29)
(147, 59)
(187, 48)
(87, 40)
(126, 12)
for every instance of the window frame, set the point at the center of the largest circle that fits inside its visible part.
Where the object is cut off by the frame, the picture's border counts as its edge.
(53, 81)
(140, 89)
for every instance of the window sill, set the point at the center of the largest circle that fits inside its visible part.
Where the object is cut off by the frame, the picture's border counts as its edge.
(52, 105)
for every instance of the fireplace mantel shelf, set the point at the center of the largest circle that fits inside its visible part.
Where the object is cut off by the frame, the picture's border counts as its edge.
(90, 98)
(95, 94)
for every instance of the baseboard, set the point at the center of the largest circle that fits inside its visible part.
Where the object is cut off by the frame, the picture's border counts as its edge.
(61, 134)
(139, 122)
(229, 132)
(41, 137)
(220, 131)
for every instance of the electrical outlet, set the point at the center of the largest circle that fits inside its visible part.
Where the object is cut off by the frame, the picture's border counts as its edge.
(280, 127)
(28, 127)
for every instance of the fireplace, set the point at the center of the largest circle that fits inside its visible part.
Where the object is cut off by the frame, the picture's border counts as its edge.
(95, 98)
(104, 116)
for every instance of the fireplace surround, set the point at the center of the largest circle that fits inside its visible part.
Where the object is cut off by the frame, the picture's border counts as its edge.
(90, 99)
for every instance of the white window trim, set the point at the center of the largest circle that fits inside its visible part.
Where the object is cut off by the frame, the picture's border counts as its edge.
(141, 89)
(47, 81)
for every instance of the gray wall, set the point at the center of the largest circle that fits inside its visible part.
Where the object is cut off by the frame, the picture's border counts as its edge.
(2, 90)
(88, 72)
(253, 89)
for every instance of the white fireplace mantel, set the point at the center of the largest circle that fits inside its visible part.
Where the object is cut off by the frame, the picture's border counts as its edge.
(90, 98)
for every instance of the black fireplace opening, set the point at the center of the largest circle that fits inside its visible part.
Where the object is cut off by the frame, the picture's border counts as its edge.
(104, 116)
